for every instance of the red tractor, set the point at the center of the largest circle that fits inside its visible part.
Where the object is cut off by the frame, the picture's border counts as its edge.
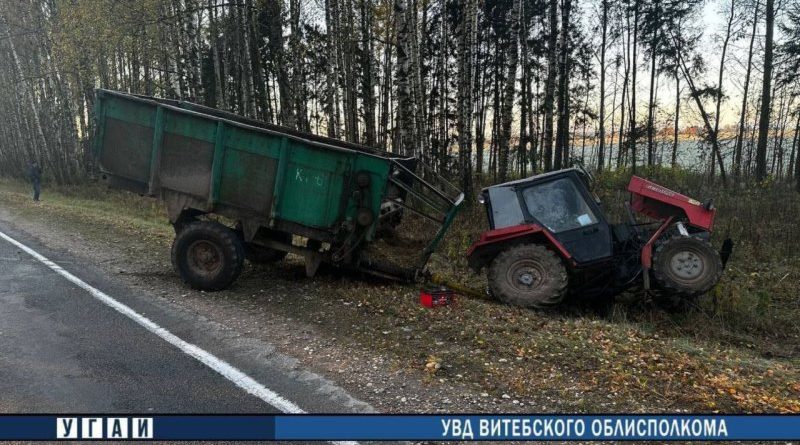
(549, 238)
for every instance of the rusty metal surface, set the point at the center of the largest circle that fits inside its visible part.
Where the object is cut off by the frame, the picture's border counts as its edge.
(248, 180)
(177, 202)
(132, 145)
(186, 164)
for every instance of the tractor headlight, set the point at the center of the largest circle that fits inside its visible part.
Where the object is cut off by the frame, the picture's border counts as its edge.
(481, 199)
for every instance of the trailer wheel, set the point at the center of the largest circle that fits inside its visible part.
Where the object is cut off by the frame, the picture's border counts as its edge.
(528, 275)
(686, 265)
(207, 255)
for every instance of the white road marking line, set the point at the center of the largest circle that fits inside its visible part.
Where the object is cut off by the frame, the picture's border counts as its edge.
(222, 367)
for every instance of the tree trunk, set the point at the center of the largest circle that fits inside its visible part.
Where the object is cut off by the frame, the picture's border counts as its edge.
(737, 152)
(405, 105)
(632, 136)
(299, 81)
(651, 106)
(39, 146)
(796, 149)
(348, 72)
(602, 114)
(274, 15)
(676, 130)
(766, 87)
(506, 112)
(793, 156)
(417, 82)
(703, 114)
(368, 76)
(466, 35)
(562, 133)
(480, 110)
(386, 93)
(622, 115)
(331, 68)
(721, 72)
(550, 84)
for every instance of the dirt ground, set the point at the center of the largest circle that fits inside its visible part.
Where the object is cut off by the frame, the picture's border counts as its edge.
(374, 338)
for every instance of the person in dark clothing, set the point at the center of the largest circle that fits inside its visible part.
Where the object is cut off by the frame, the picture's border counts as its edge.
(35, 173)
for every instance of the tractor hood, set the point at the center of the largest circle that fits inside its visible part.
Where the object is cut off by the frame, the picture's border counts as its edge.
(659, 202)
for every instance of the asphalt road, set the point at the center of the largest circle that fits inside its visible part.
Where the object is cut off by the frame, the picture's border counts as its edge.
(63, 348)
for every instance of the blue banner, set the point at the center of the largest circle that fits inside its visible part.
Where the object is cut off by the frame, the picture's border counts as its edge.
(400, 427)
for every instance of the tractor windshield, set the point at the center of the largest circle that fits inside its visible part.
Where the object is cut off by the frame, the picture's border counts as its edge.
(558, 205)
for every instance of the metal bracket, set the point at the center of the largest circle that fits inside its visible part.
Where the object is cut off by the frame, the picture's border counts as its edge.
(313, 261)
(682, 229)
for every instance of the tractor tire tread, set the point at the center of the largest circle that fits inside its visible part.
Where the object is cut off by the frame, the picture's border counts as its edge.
(550, 295)
(668, 284)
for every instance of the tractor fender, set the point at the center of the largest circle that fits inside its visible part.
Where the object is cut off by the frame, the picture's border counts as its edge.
(492, 242)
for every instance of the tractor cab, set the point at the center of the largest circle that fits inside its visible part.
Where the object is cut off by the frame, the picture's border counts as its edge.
(560, 203)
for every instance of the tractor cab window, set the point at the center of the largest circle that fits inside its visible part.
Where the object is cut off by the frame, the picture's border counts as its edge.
(506, 211)
(558, 205)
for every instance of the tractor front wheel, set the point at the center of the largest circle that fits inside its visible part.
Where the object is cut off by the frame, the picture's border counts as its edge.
(686, 265)
(528, 275)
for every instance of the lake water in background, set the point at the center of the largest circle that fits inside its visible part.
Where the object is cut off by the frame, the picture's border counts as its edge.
(691, 155)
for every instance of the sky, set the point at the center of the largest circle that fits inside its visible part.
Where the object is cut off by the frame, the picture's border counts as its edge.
(713, 21)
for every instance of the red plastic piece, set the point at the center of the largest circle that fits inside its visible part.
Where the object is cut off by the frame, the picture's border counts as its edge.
(435, 297)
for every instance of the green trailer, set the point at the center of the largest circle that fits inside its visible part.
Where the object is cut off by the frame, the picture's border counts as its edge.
(238, 188)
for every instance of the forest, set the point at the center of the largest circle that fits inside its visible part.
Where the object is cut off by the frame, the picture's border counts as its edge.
(482, 90)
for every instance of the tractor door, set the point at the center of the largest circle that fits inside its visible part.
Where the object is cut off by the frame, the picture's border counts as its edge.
(565, 207)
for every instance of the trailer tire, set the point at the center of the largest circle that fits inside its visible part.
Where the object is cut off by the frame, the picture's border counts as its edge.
(528, 275)
(207, 255)
(686, 265)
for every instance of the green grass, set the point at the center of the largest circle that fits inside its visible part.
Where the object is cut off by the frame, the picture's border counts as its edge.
(94, 205)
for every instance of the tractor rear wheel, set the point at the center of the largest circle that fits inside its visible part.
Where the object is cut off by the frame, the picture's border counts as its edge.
(686, 265)
(207, 255)
(528, 275)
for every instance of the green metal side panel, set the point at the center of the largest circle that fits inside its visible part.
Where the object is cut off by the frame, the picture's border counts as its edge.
(312, 185)
(126, 146)
(219, 163)
(378, 169)
(187, 154)
(189, 126)
(130, 111)
(252, 141)
(248, 169)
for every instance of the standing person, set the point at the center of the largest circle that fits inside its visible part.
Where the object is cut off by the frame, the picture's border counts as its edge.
(35, 173)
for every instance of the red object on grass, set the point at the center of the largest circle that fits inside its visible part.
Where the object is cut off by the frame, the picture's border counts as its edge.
(436, 296)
